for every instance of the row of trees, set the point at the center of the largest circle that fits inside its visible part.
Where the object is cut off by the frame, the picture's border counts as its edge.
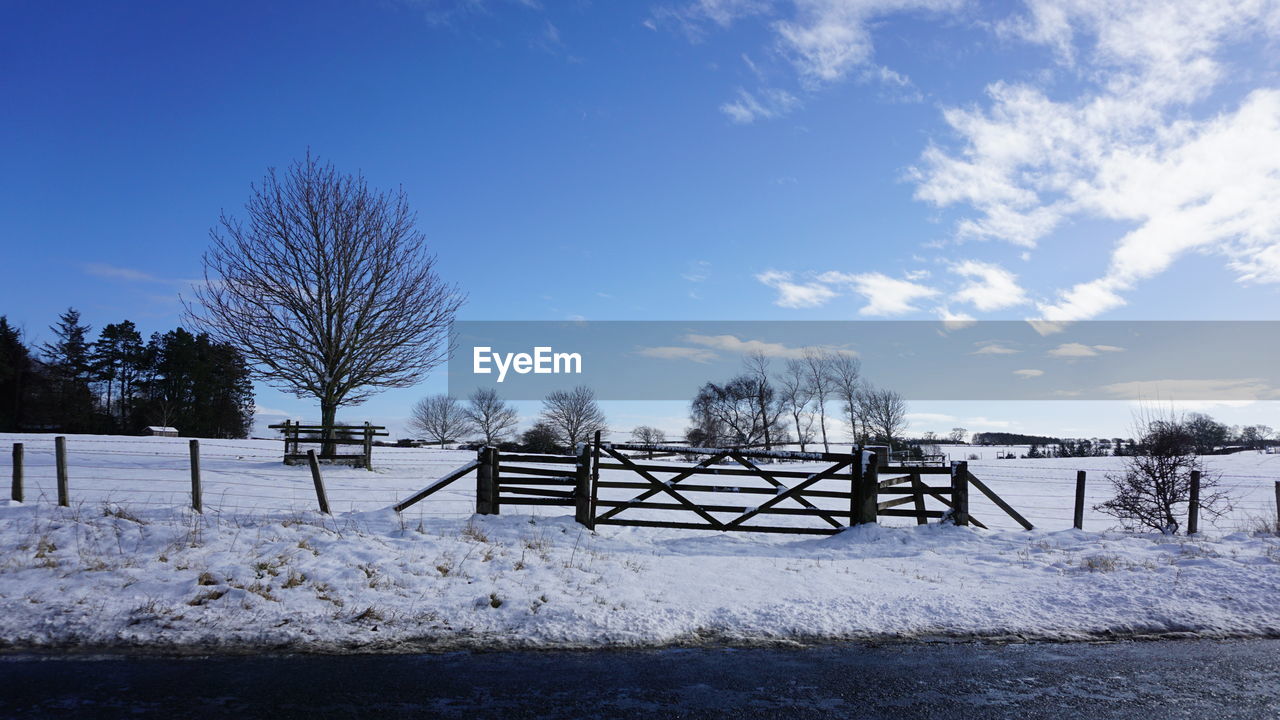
(759, 407)
(119, 383)
(568, 417)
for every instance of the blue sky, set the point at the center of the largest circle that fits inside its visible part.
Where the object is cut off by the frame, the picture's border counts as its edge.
(722, 159)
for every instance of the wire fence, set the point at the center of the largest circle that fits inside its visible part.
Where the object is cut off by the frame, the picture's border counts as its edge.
(249, 476)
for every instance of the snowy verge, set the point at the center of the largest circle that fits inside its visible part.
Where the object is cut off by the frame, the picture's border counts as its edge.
(112, 577)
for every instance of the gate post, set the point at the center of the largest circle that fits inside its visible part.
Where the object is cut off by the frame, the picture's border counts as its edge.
(582, 487)
(487, 481)
(867, 488)
(960, 492)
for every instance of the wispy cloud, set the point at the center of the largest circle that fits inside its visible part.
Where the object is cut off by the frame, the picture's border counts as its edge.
(1028, 373)
(1215, 389)
(793, 294)
(763, 104)
(993, 348)
(671, 352)
(1080, 350)
(133, 275)
(735, 345)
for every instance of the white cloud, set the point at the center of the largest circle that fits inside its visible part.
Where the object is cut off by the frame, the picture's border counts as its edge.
(885, 295)
(989, 286)
(668, 352)
(1028, 373)
(1128, 149)
(796, 295)
(1080, 350)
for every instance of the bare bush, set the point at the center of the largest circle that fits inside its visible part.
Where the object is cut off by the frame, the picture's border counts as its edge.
(1154, 491)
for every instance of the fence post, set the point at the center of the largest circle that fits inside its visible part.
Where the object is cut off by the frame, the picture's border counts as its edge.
(960, 492)
(60, 453)
(1193, 507)
(319, 482)
(17, 472)
(595, 477)
(582, 487)
(867, 489)
(486, 482)
(1079, 516)
(197, 501)
(368, 446)
(1278, 506)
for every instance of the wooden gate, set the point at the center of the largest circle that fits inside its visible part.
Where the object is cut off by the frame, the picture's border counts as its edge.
(847, 490)
(789, 492)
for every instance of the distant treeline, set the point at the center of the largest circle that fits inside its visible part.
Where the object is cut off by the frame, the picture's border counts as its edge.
(120, 383)
(1005, 438)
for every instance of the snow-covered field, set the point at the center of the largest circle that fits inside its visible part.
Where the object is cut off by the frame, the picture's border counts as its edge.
(129, 564)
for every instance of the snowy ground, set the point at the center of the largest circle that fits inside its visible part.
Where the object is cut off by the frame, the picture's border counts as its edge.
(127, 564)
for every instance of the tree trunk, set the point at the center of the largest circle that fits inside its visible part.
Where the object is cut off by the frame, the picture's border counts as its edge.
(328, 416)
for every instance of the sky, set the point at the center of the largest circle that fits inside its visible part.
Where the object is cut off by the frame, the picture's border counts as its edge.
(679, 160)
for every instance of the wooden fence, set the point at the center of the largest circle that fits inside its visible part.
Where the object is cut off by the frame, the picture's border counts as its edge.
(852, 488)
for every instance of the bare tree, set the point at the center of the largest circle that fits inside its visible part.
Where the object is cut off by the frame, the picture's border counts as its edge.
(440, 418)
(817, 365)
(794, 395)
(646, 435)
(326, 288)
(492, 417)
(957, 435)
(574, 414)
(886, 414)
(1154, 491)
(846, 380)
(764, 397)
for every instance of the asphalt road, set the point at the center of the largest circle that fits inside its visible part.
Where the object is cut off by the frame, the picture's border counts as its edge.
(1195, 679)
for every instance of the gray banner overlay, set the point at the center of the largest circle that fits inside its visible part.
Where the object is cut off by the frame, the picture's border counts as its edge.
(923, 360)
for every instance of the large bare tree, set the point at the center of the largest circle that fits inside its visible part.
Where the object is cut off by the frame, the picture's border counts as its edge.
(574, 415)
(493, 417)
(441, 419)
(326, 287)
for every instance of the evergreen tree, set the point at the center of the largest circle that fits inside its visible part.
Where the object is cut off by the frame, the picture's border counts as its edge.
(68, 362)
(15, 370)
(199, 386)
(118, 356)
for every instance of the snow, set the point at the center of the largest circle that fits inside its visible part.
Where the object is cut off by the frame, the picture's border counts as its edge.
(129, 565)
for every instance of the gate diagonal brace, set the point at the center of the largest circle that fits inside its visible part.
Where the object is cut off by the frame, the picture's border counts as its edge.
(804, 484)
(650, 493)
(665, 487)
(783, 489)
